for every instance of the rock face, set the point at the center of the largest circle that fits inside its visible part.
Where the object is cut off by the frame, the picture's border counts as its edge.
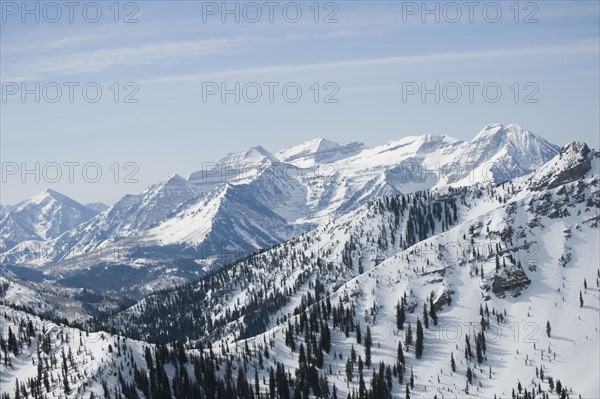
(573, 162)
(444, 299)
(512, 284)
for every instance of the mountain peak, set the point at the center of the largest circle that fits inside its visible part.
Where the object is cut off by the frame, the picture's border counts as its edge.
(572, 163)
(49, 194)
(501, 130)
(318, 150)
(174, 178)
(575, 147)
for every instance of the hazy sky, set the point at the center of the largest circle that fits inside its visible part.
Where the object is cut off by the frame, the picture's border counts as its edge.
(361, 67)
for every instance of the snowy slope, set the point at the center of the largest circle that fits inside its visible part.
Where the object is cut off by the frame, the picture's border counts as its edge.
(90, 359)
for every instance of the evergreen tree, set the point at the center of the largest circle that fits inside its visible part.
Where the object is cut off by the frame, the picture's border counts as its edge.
(400, 356)
(419, 341)
(368, 343)
(400, 316)
(468, 353)
(580, 300)
(325, 337)
(432, 311)
(548, 328)
(349, 369)
(408, 338)
(452, 362)
(478, 349)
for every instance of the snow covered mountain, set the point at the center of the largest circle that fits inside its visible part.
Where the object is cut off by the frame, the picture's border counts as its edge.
(513, 268)
(42, 217)
(480, 291)
(253, 199)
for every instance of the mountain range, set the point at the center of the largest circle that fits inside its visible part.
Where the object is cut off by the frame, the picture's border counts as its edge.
(181, 228)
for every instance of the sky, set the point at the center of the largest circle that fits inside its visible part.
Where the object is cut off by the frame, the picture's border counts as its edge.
(102, 99)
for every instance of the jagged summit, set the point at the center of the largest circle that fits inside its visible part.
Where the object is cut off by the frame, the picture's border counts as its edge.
(574, 162)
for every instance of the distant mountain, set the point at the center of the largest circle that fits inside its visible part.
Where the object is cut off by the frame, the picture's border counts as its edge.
(97, 206)
(254, 199)
(42, 217)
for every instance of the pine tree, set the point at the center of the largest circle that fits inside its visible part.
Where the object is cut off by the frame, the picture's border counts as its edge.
(548, 328)
(400, 316)
(425, 316)
(452, 362)
(432, 311)
(419, 341)
(468, 353)
(13, 346)
(325, 337)
(400, 356)
(408, 338)
(580, 300)
(469, 376)
(479, 349)
(558, 386)
(349, 370)
(368, 343)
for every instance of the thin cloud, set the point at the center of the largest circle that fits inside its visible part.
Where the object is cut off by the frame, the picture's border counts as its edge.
(589, 46)
(97, 60)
